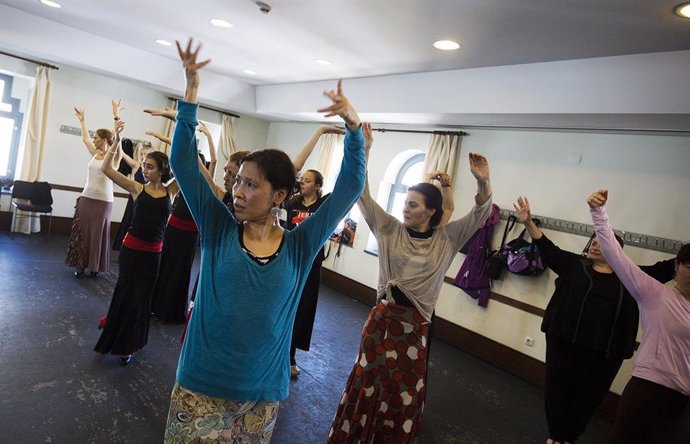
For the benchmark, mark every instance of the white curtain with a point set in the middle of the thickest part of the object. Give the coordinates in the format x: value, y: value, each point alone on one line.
x: 32, y: 161
x: 227, y: 136
x: 168, y: 131
x: 442, y: 153
x: 327, y: 144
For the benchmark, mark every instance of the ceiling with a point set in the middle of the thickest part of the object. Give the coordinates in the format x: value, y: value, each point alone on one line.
x: 363, y: 38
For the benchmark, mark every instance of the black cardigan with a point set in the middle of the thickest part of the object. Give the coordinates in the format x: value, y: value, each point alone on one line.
x: 573, y: 286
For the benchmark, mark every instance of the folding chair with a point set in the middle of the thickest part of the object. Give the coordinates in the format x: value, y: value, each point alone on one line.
x: 34, y: 198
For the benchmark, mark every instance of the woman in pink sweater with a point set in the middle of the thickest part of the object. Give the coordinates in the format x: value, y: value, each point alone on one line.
x: 655, y: 405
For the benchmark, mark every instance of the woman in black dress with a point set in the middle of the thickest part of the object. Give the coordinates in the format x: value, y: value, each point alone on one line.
x: 298, y: 209
x: 171, y: 293
x: 127, y: 322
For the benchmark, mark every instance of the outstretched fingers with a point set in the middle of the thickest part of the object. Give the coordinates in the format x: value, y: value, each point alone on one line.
x: 189, y: 55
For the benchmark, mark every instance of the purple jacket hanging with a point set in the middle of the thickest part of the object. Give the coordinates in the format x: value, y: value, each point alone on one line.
x: 473, y: 277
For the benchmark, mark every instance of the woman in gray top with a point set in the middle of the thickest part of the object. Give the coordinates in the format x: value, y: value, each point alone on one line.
x: 384, y: 395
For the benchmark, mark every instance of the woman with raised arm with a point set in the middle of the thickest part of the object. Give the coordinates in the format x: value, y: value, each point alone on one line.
x: 171, y: 295
x: 88, y: 245
x: 234, y: 366
x: 298, y: 209
x: 142, y: 150
x: 655, y: 405
x: 126, y: 326
x: 590, y: 324
x: 384, y: 396
x: 232, y: 166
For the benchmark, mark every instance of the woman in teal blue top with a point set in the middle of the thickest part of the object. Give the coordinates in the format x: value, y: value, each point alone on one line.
x: 234, y: 366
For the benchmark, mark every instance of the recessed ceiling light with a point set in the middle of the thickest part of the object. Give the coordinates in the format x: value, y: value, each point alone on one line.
x: 249, y: 71
x: 323, y: 62
x: 164, y: 42
x: 446, y: 45
x: 52, y: 4
x: 221, y: 23
x: 683, y: 10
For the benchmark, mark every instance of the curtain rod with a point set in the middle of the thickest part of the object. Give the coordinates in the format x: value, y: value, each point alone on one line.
x: 47, y: 65
x: 211, y: 108
x: 445, y: 133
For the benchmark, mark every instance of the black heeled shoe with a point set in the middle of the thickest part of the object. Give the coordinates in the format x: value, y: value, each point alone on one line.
x: 93, y: 274
x: 79, y: 274
x: 124, y: 360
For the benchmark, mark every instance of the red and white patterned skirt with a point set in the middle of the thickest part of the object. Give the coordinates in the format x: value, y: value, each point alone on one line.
x: 384, y: 396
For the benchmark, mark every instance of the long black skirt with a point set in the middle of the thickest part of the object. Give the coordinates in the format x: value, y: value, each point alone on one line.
x: 171, y: 293
x: 306, y: 310
x: 126, y: 327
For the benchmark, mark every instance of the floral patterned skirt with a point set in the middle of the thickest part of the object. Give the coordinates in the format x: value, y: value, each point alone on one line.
x: 384, y: 396
x: 198, y: 418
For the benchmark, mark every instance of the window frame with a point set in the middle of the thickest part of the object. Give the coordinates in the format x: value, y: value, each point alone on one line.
x: 398, y: 186
x: 18, y: 117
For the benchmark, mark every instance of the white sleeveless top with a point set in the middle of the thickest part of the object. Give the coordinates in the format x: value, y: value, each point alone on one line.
x: 98, y: 186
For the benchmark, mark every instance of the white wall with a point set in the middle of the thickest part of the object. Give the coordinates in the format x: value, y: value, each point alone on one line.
x: 648, y: 181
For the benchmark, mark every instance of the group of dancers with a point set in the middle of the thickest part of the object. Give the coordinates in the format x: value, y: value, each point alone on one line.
x: 255, y: 298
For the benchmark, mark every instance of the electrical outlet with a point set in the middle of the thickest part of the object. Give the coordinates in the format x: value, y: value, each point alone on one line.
x: 529, y: 341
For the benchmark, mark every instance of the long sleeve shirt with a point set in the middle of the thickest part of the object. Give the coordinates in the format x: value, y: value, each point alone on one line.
x: 664, y: 353
x: 238, y: 339
x: 417, y: 266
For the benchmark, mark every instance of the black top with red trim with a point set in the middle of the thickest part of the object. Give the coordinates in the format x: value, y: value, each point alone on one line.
x: 297, y: 212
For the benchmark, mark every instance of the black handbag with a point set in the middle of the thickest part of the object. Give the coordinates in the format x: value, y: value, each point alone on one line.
x: 496, y: 260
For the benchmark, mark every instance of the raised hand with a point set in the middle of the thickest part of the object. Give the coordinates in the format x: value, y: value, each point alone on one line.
x: 368, y: 136
x: 117, y: 108
x: 523, y: 212
x: 329, y: 129
x: 445, y: 180
x: 442, y: 177
x: 598, y: 198
x: 79, y: 112
x: 203, y: 129
x: 341, y: 107
x: 479, y: 166
x: 188, y: 56
x: 167, y: 112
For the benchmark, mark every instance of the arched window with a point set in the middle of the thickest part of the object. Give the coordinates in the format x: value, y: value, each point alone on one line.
x: 410, y: 173
x: 405, y: 170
